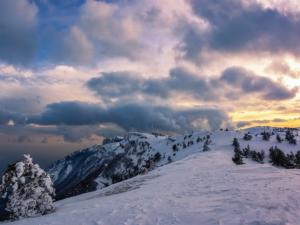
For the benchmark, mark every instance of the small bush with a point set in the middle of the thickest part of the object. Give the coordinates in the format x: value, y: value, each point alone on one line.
x: 247, y: 137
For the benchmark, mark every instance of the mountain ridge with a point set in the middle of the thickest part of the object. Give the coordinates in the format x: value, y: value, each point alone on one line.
x: 136, y: 153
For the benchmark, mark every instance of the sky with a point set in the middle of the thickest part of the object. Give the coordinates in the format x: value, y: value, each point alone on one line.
x: 75, y: 71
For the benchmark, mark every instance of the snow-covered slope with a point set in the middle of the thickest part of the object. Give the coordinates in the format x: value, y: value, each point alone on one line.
x: 102, y: 165
x: 196, y: 188
x: 204, y: 188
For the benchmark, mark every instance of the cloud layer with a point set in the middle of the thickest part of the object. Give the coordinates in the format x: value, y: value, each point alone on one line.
x: 236, y: 26
x: 128, y: 117
x: 74, y: 71
x: 18, y: 21
x: 233, y: 83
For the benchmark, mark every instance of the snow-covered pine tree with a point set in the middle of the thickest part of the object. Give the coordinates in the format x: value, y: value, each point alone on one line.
x: 205, y: 146
x: 237, y: 158
x: 290, y: 137
x: 27, y: 189
x: 266, y: 136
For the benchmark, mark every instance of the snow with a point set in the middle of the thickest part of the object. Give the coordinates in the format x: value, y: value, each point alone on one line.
x: 203, y: 188
x: 28, y: 190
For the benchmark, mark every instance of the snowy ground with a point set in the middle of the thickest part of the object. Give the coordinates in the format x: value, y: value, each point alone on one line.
x: 202, y: 189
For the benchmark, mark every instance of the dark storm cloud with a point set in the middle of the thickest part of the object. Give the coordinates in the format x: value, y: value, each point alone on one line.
x: 17, y: 31
x: 236, y: 27
x: 131, y: 116
x: 20, y: 104
x: 233, y: 83
x: 115, y: 84
x: 7, y: 116
x: 118, y: 84
x: 68, y: 113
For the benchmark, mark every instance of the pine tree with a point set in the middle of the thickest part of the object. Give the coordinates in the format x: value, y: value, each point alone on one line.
x: 175, y: 148
x: 27, y: 189
x: 262, y: 156
x: 205, y: 146
x: 277, y: 157
x: 258, y: 156
x: 266, y: 136
x: 157, y: 157
x: 237, y: 158
x: 289, y: 136
x: 246, y: 151
x: 297, y: 159
x: 278, y: 138
x: 235, y: 143
x: 290, y: 158
x: 247, y: 137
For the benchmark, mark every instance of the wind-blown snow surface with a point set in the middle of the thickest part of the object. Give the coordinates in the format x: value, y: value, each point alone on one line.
x: 202, y: 189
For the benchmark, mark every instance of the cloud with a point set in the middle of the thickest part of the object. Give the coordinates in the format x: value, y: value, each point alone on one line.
x: 233, y: 83
x: 102, y: 30
x: 26, y: 104
x: 131, y: 116
x: 17, y: 31
x: 75, y: 47
x: 281, y: 67
x: 240, y: 124
x: 236, y: 26
x: 63, y: 114
x: 23, y: 138
x: 118, y: 84
x: 248, y: 82
x: 10, y: 118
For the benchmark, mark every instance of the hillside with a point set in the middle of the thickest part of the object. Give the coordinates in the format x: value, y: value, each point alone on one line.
x: 136, y: 153
x: 196, y: 188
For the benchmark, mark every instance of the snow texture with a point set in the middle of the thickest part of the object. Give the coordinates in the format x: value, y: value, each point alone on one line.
x: 28, y: 190
x: 199, y: 187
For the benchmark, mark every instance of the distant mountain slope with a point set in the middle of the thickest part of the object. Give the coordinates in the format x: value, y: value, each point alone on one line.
x: 122, y: 158
x: 103, y: 165
x: 203, y: 188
